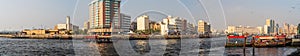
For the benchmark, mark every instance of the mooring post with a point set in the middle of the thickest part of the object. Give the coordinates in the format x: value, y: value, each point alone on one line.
x: 244, y: 47
x: 253, y: 47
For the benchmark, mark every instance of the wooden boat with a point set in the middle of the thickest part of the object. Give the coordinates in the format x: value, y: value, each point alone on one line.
x: 269, y: 41
x: 235, y: 41
x: 296, y: 40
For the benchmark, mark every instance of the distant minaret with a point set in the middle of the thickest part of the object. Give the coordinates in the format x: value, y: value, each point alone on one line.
x: 68, y: 22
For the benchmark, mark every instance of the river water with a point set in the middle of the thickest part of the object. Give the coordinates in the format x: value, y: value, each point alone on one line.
x: 152, y: 47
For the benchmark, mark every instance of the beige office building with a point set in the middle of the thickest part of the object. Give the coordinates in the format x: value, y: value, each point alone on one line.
x: 143, y: 22
x: 203, y: 27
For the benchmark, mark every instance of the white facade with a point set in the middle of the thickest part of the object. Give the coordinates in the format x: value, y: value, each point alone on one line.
x: 266, y: 29
x: 172, y: 24
x: 164, y: 28
x: 242, y: 29
x: 143, y: 22
x: 68, y: 23
x: 61, y: 26
x: 64, y: 26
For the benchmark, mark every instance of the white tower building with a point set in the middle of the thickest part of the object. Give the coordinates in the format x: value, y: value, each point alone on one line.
x: 68, y: 23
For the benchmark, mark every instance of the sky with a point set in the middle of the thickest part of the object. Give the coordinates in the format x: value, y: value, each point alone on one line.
x: 28, y: 14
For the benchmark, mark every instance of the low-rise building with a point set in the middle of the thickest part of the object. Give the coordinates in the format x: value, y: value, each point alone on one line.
x: 45, y: 32
x: 243, y: 29
x: 86, y: 25
x: 172, y: 25
x: 154, y: 26
x: 293, y: 30
x: 191, y: 29
x: 73, y: 28
x: 35, y: 32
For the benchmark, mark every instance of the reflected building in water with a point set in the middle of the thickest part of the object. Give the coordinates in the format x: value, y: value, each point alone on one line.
x: 107, y: 49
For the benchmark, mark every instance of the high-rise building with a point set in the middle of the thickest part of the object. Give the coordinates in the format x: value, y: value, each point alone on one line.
x: 124, y: 22
x: 103, y: 12
x: 203, y: 27
x: 68, y: 23
x: 143, y: 22
x: 298, y: 28
x: 103, y: 15
x: 271, y: 26
x: 286, y: 28
x: 266, y: 29
x: 276, y: 30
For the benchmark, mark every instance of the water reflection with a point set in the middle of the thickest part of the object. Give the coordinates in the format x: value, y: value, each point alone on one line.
x: 270, y: 51
x: 173, y: 47
x: 33, y: 47
x: 141, y: 46
x: 276, y: 51
x: 107, y: 49
x: 170, y: 47
x: 196, y: 47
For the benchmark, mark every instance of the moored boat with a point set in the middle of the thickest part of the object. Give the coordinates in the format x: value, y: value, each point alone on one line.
x: 269, y: 41
x: 235, y: 40
x: 296, y: 40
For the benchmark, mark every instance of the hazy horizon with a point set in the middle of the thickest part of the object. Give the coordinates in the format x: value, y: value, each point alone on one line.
x: 20, y: 14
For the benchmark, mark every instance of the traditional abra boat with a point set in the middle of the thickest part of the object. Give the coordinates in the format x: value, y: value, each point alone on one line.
x: 235, y: 40
x: 296, y: 40
x: 267, y: 41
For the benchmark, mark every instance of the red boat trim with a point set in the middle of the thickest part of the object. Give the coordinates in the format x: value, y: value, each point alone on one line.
x: 235, y: 36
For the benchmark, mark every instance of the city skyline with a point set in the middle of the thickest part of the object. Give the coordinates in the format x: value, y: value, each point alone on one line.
x: 45, y: 14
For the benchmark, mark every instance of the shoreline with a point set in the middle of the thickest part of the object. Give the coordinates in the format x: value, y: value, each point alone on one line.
x: 103, y: 37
